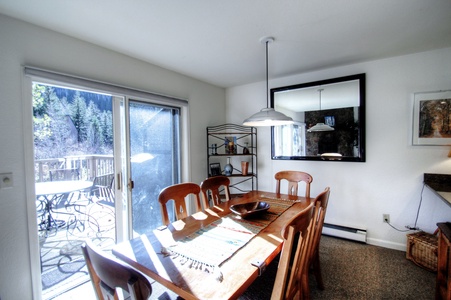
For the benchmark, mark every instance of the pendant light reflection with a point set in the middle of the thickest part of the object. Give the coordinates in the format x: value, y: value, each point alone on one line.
x: 267, y: 116
x: 320, y: 126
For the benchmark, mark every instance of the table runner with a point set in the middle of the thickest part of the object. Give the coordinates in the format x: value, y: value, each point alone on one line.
x: 211, y: 246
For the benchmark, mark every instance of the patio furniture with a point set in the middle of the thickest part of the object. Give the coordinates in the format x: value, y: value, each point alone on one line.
x: 64, y: 174
x: 102, y: 188
x: 49, y: 194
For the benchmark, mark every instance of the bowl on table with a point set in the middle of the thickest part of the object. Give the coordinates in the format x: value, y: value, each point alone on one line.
x: 249, y: 209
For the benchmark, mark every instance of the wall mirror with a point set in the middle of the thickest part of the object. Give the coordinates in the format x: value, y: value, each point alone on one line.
x: 329, y: 120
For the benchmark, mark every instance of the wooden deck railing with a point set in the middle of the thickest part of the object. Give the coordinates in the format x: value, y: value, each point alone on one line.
x: 82, y: 167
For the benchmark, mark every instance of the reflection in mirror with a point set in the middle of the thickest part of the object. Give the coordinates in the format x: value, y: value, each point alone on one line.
x: 329, y: 120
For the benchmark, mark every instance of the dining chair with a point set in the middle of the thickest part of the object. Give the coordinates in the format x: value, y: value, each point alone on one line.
x: 320, y: 204
x: 211, y: 186
x: 107, y: 274
x: 293, y: 263
x: 293, y: 178
x: 178, y: 193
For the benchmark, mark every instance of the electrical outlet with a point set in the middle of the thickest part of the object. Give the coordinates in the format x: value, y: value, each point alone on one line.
x: 386, y: 218
x: 6, y: 180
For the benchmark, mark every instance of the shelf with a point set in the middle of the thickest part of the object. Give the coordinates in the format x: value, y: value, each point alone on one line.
x: 233, y: 138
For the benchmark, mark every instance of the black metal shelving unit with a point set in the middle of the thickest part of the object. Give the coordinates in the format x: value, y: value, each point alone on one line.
x: 240, y: 135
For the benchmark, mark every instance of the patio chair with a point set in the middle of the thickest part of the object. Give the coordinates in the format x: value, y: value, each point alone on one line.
x: 64, y: 174
x: 93, y: 211
x: 93, y: 214
x: 107, y: 275
x: 103, y: 188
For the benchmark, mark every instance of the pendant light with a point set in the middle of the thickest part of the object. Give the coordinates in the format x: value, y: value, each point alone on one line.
x: 320, y: 126
x: 267, y: 116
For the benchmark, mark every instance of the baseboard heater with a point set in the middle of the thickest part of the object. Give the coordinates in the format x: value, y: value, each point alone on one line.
x: 344, y: 232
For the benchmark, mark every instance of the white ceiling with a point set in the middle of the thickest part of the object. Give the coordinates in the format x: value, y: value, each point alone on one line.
x: 217, y: 41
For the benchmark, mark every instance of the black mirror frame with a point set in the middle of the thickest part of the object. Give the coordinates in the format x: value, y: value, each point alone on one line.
x: 361, y: 124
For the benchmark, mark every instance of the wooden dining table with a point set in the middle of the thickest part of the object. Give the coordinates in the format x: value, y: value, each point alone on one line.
x: 145, y: 252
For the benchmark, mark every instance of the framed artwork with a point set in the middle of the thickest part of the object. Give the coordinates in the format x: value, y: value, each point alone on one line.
x: 432, y: 118
x: 329, y: 120
x: 230, y: 144
x: 215, y: 169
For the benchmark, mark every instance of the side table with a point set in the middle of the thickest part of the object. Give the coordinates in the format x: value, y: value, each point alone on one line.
x: 443, y: 281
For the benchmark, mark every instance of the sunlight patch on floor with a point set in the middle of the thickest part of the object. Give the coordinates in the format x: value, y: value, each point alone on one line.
x: 84, y: 291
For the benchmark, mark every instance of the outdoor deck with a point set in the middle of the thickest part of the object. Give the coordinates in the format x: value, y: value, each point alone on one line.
x: 62, y: 263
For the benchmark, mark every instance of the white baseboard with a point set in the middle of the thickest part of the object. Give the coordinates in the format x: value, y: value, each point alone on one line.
x: 344, y: 232
x: 386, y: 244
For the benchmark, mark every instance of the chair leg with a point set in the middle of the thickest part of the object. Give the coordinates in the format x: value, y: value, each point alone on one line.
x: 317, y: 271
x: 305, y: 289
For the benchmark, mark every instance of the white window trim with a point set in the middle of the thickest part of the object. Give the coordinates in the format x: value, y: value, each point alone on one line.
x: 32, y: 74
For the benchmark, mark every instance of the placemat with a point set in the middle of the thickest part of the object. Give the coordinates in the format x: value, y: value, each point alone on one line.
x: 211, y: 246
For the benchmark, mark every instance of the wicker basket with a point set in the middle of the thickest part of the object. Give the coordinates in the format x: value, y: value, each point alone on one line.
x: 422, y: 249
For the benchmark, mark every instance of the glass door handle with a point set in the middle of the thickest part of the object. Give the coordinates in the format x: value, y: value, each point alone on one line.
x: 131, y: 184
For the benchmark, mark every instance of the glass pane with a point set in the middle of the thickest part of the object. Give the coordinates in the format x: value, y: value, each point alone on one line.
x: 154, y: 144
x: 74, y: 167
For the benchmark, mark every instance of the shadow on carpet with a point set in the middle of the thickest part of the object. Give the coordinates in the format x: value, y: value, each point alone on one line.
x: 354, y: 270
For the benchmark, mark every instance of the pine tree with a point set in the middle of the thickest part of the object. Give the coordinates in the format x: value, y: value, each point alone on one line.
x: 79, y: 118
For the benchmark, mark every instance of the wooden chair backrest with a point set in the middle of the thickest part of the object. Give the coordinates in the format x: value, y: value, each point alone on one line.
x: 178, y: 193
x: 293, y: 178
x: 293, y: 261
x: 213, y: 185
x: 107, y: 274
x: 319, y: 214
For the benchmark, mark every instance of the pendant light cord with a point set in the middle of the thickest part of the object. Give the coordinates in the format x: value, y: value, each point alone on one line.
x: 320, y: 90
x: 267, y: 78
x: 267, y: 116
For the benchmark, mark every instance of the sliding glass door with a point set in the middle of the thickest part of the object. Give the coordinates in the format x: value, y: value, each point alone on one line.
x: 155, y: 160
x: 101, y: 159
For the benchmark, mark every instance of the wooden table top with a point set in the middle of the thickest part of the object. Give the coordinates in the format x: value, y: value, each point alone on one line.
x: 144, y: 252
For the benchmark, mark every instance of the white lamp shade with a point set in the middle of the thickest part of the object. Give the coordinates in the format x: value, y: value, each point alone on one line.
x: 331, y: 156
x: 320, y: 127
x: 268, y: 117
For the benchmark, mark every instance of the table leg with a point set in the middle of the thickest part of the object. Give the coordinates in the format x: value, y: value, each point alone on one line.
x: 48, y: 223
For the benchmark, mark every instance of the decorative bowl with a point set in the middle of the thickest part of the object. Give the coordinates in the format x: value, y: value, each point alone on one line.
x: 249, y: 209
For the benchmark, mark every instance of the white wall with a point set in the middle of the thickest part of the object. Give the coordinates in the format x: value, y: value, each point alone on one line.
x: 23, y: 44
x: 390, y: 181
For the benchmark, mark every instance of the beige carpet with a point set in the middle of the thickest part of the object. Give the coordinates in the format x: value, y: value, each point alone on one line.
x: 353, y: 270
